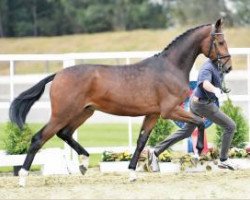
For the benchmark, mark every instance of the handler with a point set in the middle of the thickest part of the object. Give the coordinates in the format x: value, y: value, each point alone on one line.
x: 204, y: 103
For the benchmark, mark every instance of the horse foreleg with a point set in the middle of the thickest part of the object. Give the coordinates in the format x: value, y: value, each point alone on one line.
x: 180, y: 114
x: 36, y: 144
x: 148, y: 124
x: 66, y: 135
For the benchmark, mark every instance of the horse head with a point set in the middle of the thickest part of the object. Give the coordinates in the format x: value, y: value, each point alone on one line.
x: 215, y: 48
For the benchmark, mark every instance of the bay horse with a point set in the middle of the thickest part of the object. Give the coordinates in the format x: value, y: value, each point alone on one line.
x: 152, y: 87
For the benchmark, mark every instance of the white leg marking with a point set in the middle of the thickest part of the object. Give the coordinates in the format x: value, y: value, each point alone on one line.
x: 22, y: 177
x: 84, y: 160
x: 132, y: 175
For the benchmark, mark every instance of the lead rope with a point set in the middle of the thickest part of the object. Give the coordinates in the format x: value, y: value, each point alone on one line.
x: 223, y: 86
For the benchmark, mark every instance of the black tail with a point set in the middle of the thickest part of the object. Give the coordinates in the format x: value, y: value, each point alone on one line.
x: 21, y: 105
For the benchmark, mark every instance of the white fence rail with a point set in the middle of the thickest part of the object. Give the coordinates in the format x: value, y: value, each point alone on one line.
x: 52, y: 160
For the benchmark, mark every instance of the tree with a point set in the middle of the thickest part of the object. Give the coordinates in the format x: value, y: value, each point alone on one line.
x: 195, y: 11
x: 3, y: 18
x: 59, y: 17
x: 241, y: 12
x: 144, y: 14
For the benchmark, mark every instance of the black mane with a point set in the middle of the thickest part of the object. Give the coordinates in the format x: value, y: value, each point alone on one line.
x: 179, y: 39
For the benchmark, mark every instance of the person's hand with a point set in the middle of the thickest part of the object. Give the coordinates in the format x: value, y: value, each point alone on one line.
x: 217, y: 92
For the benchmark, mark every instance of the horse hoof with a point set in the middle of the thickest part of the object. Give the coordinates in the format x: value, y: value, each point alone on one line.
x: 22, y: 181
x: 131, y: 180
x: 132, y: 176
x: 83, y: 169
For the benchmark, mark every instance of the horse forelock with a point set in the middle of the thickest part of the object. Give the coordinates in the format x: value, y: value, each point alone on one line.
x: 180, y: 38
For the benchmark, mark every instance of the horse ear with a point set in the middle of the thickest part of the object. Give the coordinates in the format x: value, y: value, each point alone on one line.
x: 219, y: 23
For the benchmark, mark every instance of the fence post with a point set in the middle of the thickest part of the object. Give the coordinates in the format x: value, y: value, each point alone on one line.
x: 248, y: 92
x: 130, y: 133
x: 12, y: 73
x: 71, y: 155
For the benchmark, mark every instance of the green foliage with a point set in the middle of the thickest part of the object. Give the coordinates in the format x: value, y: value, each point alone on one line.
x: 144, y: 15
x: 97, y: 19
x: 242, y: 15
x: 17, y: 141
x: 237, y: 153
x: 212, y: 154
x: 59, y: 17
x: 187, y: 14
x: 109, y: 156
x: 162, y: 129
x: 165, y: 156
x: 234, y: 112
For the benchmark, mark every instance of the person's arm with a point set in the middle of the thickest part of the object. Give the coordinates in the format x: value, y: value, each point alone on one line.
x: 211, y: 88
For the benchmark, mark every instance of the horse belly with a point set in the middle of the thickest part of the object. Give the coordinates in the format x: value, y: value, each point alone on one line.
x: 126, y: 107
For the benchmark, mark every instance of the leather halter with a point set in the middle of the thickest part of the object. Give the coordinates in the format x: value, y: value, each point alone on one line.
x: 218, y: 58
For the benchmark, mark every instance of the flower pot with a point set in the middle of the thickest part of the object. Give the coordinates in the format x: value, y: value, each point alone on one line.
x: 169, y: 167
x: 198, y: 168
x: 243, y: 163
x: 16, y: 169
x: 116, y: 166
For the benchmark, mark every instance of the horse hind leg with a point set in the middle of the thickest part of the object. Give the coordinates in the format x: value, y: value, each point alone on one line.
x: 37, y: 141
x: 66, y: 135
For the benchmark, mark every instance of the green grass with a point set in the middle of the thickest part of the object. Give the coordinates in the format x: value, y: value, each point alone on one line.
x: 94, y: 135
x: 90, y: 135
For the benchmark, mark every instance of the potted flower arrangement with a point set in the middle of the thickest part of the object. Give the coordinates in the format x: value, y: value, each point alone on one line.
x: 240, y: 157
x: 17, y: 141
x: 115, y: 162
x: 167, y: 162
x: 176, y: 161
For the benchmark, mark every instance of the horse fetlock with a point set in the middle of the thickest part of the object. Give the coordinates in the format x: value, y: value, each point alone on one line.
x: 23, y: 172
x: 22, y: 177
x: 132, y: 175
x: 84, y: 160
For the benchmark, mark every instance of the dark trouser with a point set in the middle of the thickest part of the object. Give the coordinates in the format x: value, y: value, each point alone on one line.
x: 211, y: 112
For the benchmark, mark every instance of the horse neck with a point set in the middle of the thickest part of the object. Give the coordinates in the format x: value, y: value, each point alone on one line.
x: 184, y: 54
